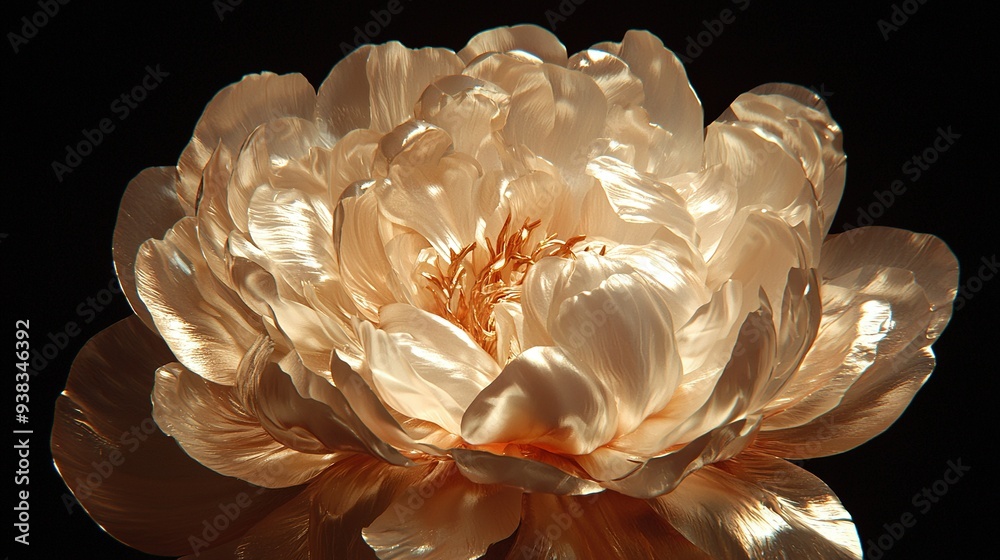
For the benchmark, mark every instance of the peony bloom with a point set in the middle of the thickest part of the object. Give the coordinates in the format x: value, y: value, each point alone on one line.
x: 498, y: 303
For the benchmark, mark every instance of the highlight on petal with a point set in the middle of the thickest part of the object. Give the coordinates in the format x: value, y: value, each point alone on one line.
x: 148, y: 210
x: 206, y: 325
x: 233, y: 114
x: 758, y: 506
x: 531, y: 39
x: 543, y: 398
x: 445, y: 517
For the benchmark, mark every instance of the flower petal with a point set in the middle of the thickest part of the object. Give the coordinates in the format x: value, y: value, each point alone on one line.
x: 621, y: 334
x: 206, y: 325
x: 233, y: 114
x: 801, y: 119
x: 293, y: 229
x: 669, y: 98
x: 606, y: 526
x: 445, y: 517
x: 483, y: 467
x: 398, y: 75
x: 527, y: 38
x: 212, y: 425
x: 127, y: 474
x: 544, y: 399
x: 757, y: 506
x: 148, y: 210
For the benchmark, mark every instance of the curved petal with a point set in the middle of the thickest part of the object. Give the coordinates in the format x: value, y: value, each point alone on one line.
x: 621, y: 334
x: 757, y: 506
x: 933, y: 265
x: 212, y: 425
x: 148, y: 210
x: 641, y: 199
x: 605, y: 525
x: 445, y: 517
x: 206, y: 325
x: 544, y: 399
x: 233, y: 114
x: 527, y: 38
x: 867, y: 409
x: 293, y: 229
x: 342, y: 101
x: 483, y: 467
x: 669, y: 98
x: 398, y: 75
x: 130, y: 477
x: 801, y: 119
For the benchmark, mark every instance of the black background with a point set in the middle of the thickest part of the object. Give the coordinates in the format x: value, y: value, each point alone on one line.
x: 889, y: 96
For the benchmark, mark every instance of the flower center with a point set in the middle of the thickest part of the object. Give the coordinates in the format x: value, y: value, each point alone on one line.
x: 467, y: 296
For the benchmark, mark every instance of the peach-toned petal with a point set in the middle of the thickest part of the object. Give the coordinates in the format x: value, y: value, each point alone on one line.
x: 757, y: 506
x: 342, y: 101
x: 233, y: 114
x: 127, y: 474
x: 212, y: 425
x: 445, y: 517
x: 621, y: 334
x: 669, y: 99
x: 606, y: 526
x: 801, y: 119
x: 544, y: 399
x: 641, y: 199
x: 483, y: 467
x: 148, y: 209
x: 934, y: 266
x: 867, y: 409
x: 527, y: 38
x: 206, y: 325
x: 397, y: 76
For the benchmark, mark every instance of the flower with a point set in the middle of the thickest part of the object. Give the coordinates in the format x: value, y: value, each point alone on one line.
x: 498, y: 303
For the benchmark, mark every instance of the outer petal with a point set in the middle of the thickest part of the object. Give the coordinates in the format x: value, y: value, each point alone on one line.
x: 884, y: 304
x: 214, y: 427
x: 527, y: 38
x: 148, y: 210
x: 757, y: 506
x: 804, y: 124
x: 398, y: 75
x: 606, y: 526
x: 445, y: 517
x: 206, y: 325
x: 669, y: 98
x: 233, y: 114
x: 127, y: 474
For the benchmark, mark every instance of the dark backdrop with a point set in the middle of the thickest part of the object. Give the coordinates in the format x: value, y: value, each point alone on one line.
x: 892, y: 86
